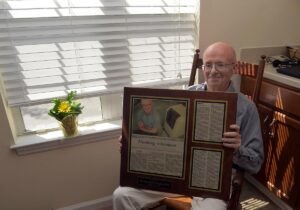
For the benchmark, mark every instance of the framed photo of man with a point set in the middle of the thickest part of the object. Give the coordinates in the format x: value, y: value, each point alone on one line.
x: 171, y: 141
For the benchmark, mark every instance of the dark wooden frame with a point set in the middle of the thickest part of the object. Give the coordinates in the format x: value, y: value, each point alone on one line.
x: 179, y: 185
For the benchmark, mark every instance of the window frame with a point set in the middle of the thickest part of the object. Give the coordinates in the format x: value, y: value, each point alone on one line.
x: 31, y: 142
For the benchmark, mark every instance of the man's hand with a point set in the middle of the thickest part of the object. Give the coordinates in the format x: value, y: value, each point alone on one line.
x: 232, y: 139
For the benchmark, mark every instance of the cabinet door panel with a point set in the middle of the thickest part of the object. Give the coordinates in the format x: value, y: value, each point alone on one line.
x: 280, y: 170
x: 284, y: 99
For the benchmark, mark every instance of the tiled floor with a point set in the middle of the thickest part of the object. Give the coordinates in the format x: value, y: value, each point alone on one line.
x: 251, y: 199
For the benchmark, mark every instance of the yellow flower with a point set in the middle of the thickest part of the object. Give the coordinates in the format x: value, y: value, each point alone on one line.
x: 64, y: 107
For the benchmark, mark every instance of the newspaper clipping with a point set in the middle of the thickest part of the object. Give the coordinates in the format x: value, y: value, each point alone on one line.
x: 158, y: 133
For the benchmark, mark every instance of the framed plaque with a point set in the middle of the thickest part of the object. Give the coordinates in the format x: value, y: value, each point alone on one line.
x: 171, y: 141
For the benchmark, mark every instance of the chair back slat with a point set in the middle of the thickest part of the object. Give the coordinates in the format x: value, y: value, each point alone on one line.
x: 259, y: 77
x: 197, y: 63
x: 247, y: 69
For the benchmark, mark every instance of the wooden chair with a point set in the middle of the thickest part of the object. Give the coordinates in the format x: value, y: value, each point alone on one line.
x: 196, y: 66
x: 250, y: 73
x: 251, y: 78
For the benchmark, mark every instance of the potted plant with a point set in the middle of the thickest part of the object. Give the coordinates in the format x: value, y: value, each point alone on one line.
x: 66, y: 112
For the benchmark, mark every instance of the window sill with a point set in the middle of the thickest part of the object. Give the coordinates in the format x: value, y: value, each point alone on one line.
x: 54, y: 140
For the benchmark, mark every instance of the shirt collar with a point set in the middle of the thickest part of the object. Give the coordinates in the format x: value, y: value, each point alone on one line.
x: 231, y: 88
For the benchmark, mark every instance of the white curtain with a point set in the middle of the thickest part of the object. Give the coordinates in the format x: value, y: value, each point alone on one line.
x: 48, y: 47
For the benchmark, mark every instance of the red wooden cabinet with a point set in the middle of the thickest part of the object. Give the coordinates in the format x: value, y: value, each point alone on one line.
x: 279, y: 172
x: 279, y: 111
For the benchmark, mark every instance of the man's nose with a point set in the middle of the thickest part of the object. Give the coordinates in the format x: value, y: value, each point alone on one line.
x: 213, y: 68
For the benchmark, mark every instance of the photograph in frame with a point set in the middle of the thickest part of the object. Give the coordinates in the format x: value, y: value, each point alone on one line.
x: 177, y: 148
x: 157, y: 131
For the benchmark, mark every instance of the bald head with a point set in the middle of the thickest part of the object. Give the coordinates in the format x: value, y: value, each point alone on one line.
x: 223, y: 49
x: 216, y: 55
x: 147, y: 105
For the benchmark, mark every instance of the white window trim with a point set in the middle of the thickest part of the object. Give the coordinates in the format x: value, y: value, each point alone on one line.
x: 35, y: 143
x: 102, y: 131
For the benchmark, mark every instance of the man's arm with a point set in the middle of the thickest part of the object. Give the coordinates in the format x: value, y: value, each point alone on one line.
x: 250, y: 154
x: 142, y: 127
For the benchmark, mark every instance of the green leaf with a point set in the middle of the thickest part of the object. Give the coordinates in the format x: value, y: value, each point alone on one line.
x: 76, y: 107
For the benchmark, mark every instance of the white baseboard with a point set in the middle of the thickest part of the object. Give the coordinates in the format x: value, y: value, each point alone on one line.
x: 90, y: 205
x: 282, y: 205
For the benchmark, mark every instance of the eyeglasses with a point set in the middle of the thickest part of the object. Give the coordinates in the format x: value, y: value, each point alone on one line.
x: 218, y: 66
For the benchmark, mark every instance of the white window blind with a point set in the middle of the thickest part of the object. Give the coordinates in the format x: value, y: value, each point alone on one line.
x: 95, y: 47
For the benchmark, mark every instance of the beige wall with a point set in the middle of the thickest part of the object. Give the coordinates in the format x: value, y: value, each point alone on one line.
x: 71, y: 175
x: 58, y: 178
x: 252, y: 23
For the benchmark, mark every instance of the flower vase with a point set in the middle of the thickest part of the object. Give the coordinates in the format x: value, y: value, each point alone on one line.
x: 69, y: 125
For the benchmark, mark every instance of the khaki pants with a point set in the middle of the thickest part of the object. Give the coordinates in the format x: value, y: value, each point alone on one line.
x: 128, y: 198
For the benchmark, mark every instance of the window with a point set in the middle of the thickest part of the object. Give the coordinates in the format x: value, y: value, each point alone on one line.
x: 95, y: 47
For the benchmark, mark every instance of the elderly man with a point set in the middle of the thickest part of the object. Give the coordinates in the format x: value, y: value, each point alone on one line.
x: 148, y: 119
x: 245, y: 136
